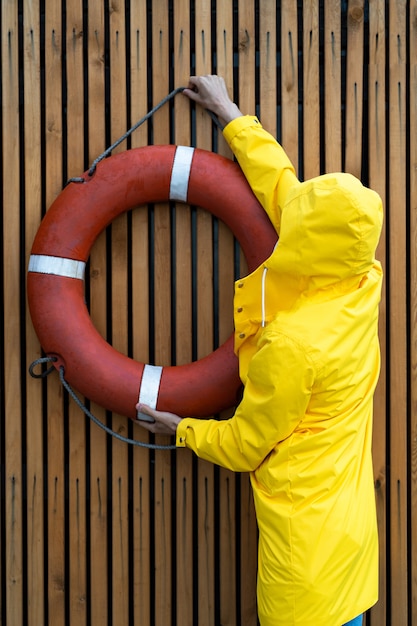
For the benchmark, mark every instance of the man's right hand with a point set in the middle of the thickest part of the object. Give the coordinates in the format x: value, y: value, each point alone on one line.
x: 211, y: 93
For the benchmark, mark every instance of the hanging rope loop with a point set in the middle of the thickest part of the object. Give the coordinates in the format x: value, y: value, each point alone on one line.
x: 41, y: 361
x: 134, y: 442
x: 127, y: 134
x: 93, y: 418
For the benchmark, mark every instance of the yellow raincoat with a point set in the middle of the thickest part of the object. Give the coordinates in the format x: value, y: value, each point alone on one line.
x: 306, y: 337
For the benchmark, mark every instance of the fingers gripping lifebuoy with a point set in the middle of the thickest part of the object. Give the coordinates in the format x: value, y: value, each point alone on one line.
x: 55, y: 282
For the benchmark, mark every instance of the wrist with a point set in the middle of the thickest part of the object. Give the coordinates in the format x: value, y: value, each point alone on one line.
x: 227, y: 113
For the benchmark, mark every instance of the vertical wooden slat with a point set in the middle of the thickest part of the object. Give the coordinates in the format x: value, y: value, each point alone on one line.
x: 332, y: 87
x: 268, y: 66
x: 140, y: 313
x: 397, y: 311
x: 376, y: 121
x: 354, y: 87
x: 227, y: 549
x: 246, y: 43
x: 311, y: 91
x: 13, y: 549
x: 204, y: 306
x: 119, y: 319
x: 412, y: 506
x: 76, y: 426
x: 229, y: 559
x: 183, y: 307
x: 289, y: 80
x: 224, y: 58
x: 55, y: 430
x: 34, y: 425
x: 232, y: 554
x: 98, y: 519
x: 162, y: 310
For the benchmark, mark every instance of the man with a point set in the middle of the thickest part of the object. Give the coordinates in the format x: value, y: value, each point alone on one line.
x: 307, y: 340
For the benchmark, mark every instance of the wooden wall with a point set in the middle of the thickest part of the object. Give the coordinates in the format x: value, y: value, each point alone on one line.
x: 93, y: 531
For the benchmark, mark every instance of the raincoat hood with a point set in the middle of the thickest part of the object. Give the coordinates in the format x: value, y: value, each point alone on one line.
x: 329, y: 230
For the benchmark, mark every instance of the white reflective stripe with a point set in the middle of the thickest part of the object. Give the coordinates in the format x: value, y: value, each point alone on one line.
x: 57, y: 266
x: 181, y: 173
x: 149, y: 389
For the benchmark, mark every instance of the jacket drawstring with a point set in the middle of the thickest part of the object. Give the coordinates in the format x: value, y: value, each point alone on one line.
x: 263, y: 296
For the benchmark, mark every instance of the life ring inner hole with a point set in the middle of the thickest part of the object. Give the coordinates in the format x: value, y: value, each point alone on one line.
x: 155, y: 268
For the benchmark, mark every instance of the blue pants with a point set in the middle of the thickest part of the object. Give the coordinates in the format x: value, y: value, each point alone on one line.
x: 355, y: 622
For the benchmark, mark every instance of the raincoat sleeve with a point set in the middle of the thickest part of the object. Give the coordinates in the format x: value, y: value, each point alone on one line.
x: 276, y: 395
x: 266, y: 166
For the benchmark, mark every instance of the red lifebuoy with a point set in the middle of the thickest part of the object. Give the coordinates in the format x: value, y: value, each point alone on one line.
x: 62, y: 245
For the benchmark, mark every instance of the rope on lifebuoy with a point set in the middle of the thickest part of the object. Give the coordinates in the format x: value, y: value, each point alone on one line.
x: 41, y: 361
x: 127, y: 134
x: 109, y: 431
x: 86, y: 411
